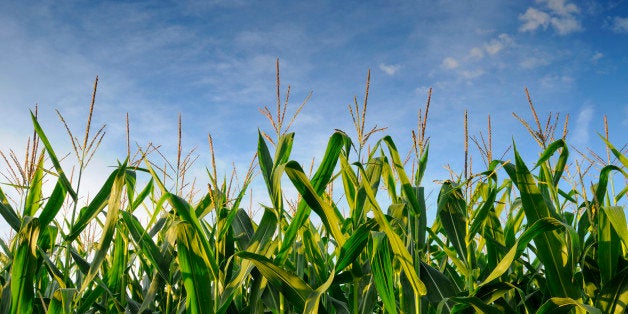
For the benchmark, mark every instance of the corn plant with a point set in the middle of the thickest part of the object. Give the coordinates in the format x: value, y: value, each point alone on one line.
x: 511, y: 238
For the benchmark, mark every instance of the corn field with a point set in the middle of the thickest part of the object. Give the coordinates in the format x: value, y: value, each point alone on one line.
x: 511, y: 238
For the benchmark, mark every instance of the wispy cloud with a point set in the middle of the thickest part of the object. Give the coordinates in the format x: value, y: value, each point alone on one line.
x: 597, y: 56
x: 476, y: 53
x: 582, y: 127
x: 450, y: 63
x: 561, y: 15
x: 618, y: 24
x: 471, y: 74
x: 498, y: 44
x: 534, y: 62
x: 533, y: 19
x: 389, y: 69
x: 552, y: 81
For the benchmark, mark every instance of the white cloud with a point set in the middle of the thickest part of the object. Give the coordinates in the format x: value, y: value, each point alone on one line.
x: 581, y: 130
x: 496, y: 45
x: 559, y: 14
x: 471, y: 74
x: 619, y: 24
x: 389, y: 69
x: 566, y: 25
x: 533, y: 62
x: 561, y: 7
x: 533, y: 19
x: 476, y: 53
x: 552, y: 81
x: 597, y: 56
x: 450, y: 63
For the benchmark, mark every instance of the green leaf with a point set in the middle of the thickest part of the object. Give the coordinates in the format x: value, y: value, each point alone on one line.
x: 53, y: 158
x: 381, y: 266
x: 194, y: 266
x: 33, y: 196
x: 602, y: 185
x: 242, y: 229
x: 541, y: 226
x: 146, y: 244
x: 95, y: 206
x: 482, y: 213
x: 23, y: 268
x: 139, y: 199
x: 397, y: 245
x: 53, y: 205
x: 452, y: 213
x: 355, y: 245
x: 551, y: 249
x: 617, y: 218
x: 478, y: 305
x: 313, y: 300
x: 614, y: 295
x: 115, y: 275
x: 406, y: 185
x: 609, y: 247
x: 8, y: 213
x: 562, y: 159
x: 326, y: 213
x: 319, y: 182
x: 622, y: 158
x: 292, y: 287
x: 439, y: 287
x: 187, y: 214
x: 259, y: 243
x: 565, y: 305
x: 109, y: 229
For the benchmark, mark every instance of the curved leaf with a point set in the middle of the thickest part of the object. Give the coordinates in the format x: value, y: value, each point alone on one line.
x: 292, y: 287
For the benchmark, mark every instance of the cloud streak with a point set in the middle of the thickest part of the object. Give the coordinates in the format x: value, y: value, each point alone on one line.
x: 560, y: 15
x: 389, y: 69
x: 619, y: 24
x: 583, y: 126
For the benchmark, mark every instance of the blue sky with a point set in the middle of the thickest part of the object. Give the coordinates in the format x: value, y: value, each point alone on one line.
x: 214, y: 62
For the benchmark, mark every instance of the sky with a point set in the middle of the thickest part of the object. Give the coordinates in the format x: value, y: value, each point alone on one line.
x: 213, y: 62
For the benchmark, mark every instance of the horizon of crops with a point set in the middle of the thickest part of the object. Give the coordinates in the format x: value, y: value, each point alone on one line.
x: 512, y: 237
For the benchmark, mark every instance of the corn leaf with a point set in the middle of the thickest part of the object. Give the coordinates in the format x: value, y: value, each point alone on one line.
x: 8, y: 213
x: 355, y: 245
x: 109, y: 229
x: 313, y: 300
x: 541, y: 226
x: 406, y: 185
x: 187, y: 214
x: 565, y: 305
x: 614, y: 295
x: 381, y: 265
x: 33, y: 196
x: 452, y: 213
x: 617, y: 217
x: 478, y: 305
x: 195, y: 268
x: 319, y: 181
x: 53, y: 158
x: 23, y: 269
x: 397, y: 246
x: 551, y: 250
x: 622, y: 158
x: 326, y: 213
x: 53, y: 205
x: 92, y: 210
x: 291, y: 286
x: 439, y: 287
x: 146, y: 245
x: 562, y: 159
